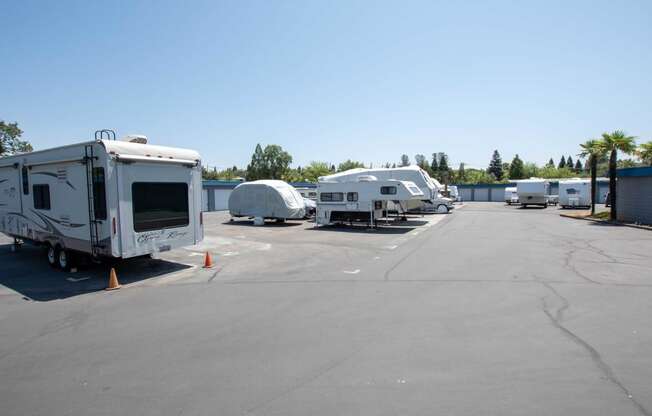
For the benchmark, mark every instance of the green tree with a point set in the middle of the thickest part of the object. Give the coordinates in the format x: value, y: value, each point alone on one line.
x: 562, y: 163
x: 496, y: 166
x: 569, y: 163
x: 593, y: 151
x: 10, y: 142
x: 461, y: 173
x: 578, y: 166
x: 405, y: 160
x: 434, y: 166
x: 421, y: 162
x: 314, y: 170
x: 270, y: 163
x: 276, y: 160
x: 256, y: 168
x: 349, y: 164
x: 516, y: 168
x: 444, y: 170
x: 645, y: 152
x: 614, y: 142
x: 551, y: 163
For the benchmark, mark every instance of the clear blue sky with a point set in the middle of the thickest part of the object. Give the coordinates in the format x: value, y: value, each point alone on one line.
x: 331, y: 80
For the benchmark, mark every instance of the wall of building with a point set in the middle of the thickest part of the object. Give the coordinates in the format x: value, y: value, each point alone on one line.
x: 634, y: 195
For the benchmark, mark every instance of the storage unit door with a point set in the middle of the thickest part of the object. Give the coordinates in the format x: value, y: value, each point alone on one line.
x: 222, y: 199
x: 482, y: 194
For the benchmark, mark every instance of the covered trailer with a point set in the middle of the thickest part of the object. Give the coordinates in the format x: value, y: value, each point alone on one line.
x: 533, y: 191
x: 575, y: 193
x: 267, y: 199
x: 105, y: 198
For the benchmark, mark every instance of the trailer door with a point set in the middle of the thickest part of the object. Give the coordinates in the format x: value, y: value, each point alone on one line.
x: 10, y: 199
x: 159, y: 207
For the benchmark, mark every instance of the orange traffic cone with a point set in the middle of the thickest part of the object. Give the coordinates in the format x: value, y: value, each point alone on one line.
x: 208, y: 261
x: 113, y: 281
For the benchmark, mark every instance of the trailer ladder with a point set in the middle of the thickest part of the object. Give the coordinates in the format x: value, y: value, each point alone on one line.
x: 89, y: 158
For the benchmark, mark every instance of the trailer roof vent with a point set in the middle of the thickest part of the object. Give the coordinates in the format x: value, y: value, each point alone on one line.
x: 135, y: 138
x: 367, y: 178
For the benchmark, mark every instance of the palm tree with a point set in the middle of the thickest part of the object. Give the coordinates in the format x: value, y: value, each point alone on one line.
x: 594, y: 151
x: 645, y: 152
x: 613, y: 142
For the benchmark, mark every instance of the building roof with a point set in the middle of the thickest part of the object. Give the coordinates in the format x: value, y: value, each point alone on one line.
x: 634, y: 172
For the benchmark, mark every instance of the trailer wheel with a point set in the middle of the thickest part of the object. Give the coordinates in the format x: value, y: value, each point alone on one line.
x: 53, y: 255
x: 64, y: 260
x: 442, y: 209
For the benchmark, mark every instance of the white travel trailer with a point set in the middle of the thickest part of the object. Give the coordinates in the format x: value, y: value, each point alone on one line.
x: 431, y: 200
x: 511, y: 195
x: 533, y: 191
x: 575, y: 193
x: 106, y: 198
x: 453, y: 193
x: 267, y: 199
x: 363, y: 200
x: 310, y: 193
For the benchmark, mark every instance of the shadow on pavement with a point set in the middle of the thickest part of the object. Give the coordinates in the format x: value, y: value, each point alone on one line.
x: 268, y: 223
x: 28, y: 273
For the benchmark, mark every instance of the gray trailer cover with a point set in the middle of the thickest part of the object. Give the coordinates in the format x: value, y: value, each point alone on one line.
x: 267, y: 199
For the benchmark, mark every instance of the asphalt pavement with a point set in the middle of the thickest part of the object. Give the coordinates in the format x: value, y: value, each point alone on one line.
x: 492, y: 310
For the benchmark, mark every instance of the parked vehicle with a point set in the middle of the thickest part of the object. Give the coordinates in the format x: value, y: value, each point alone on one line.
x: 310, y: 193
x: 105, y: 198
x: 363, y: 200
x: 575, y: 193
x: 432, y: 199
x: 533, y: 191
x: 511, y: 195
x: 267, y: 199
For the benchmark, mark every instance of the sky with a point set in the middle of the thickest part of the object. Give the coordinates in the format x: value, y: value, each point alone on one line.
x: 330, y: 80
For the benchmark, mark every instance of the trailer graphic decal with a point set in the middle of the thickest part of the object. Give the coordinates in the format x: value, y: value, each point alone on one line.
x: 54, y: 175
x: 63, y: 223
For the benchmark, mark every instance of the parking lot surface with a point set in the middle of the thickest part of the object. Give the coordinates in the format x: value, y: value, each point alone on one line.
x: 491, y: 310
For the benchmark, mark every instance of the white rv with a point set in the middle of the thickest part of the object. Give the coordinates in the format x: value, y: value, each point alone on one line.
x: 575, y: 193
x: 310, y: 193
x: 432, y: 200
x: 533, y: 191
x: 511, y: 195
x: 106, y: 198
x: 363, y: 200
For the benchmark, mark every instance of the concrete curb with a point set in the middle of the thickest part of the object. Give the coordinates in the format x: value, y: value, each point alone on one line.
x: 624, y: 224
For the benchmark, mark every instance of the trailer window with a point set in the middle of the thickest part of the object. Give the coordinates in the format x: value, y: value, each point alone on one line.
x: 331, y: 196
x: 99, y: 194
x: 388, y: 190
x: 158, y: 205
x: 25, y: 180
x: 352, y: 196
x: 41, y: 196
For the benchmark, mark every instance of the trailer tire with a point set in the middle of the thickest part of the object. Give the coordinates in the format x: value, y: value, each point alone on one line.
x: 64, y: 260
x: 53, y: 255
x: 442, y: 209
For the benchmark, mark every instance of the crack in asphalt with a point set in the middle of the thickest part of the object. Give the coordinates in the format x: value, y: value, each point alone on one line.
x: 556, y: 318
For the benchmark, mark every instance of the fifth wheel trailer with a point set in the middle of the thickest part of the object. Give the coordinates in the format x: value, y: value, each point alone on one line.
x: 106, y: 198
x: 432, y: 199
